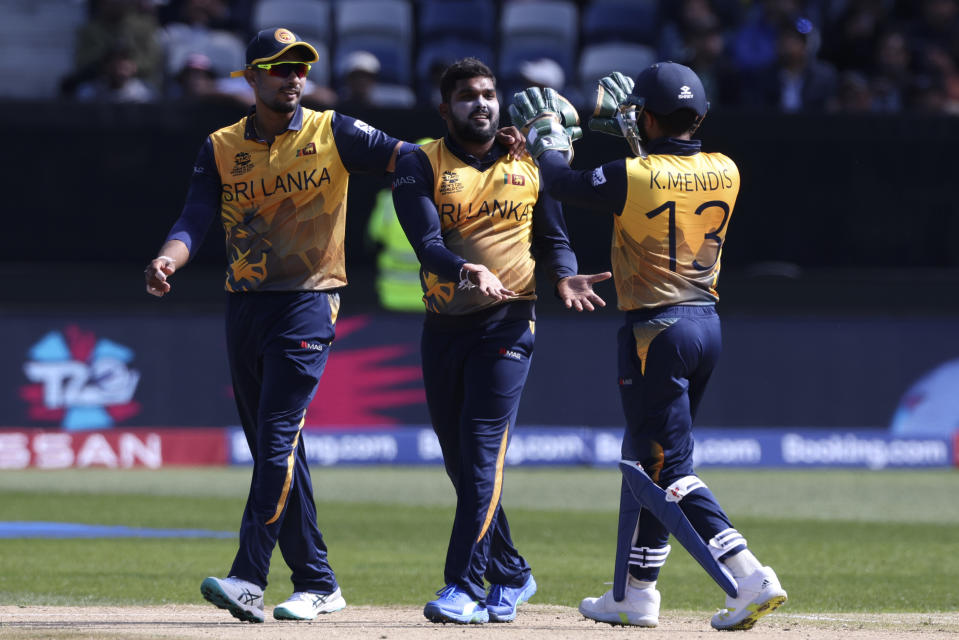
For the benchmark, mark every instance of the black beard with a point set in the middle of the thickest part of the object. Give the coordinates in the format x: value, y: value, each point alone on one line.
x: 643, y: 135
x: 284, y: 107
x: 470, y: 132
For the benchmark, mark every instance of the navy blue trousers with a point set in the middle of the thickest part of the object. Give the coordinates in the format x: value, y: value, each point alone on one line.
x: 278, y: 344
x: 474, y: 379
x: 666, y: 357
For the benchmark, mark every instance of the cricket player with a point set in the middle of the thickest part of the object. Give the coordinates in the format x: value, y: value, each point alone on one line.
x: 479, y: 222
x: 671, y: 204
x: 278, y: 180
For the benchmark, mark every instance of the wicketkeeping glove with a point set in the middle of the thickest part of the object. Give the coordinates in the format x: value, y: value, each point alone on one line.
x: 547, y: 119
x: 610, y: 94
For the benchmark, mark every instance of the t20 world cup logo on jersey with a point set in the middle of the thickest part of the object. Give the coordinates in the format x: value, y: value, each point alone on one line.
x: 79, y: 381
x: 450, y: 183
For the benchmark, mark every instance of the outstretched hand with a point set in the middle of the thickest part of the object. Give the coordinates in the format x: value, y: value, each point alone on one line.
x: 576, y: 292
x: 480, y: 277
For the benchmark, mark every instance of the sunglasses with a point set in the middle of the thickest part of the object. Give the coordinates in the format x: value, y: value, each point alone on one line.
x: 284, y: 69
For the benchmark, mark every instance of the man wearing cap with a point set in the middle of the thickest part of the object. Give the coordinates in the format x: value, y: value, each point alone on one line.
x: 671, y: 204
x: 278, y: 178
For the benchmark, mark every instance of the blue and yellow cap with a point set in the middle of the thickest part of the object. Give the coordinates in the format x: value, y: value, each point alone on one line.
x: 270, y: 44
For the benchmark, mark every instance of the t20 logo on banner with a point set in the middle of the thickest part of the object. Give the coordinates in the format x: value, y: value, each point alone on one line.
x: 80, y: 381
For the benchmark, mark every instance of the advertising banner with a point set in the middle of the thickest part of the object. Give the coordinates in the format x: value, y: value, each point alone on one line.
x: 533, y: 446
x: 89, y: 372
x: 113, y: 449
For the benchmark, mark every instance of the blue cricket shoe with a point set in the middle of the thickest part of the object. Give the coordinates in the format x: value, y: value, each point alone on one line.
x: 501, y: 602
x: 455, y: 605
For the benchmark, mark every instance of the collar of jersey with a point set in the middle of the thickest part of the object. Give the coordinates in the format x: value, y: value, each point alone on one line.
x: 296, y: 123
x: 480, y: 164
x: 674, y: 147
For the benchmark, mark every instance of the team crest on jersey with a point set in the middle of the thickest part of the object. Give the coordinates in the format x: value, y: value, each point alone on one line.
x: 308, y: 150
x: 450, y: 183
x: 515, y: 179
x: 242, y: 163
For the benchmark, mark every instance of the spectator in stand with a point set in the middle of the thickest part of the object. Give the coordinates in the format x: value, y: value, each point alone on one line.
x: 116, y: 80
x: 799, y: 81
x: 937, y: 27
x: 755, y: 44
x: 680, y: 21
x: 228, y: 15
x: 196, y: 29
x: 197, y: 81
x: 543, y: 73
x: 706, y: 55
x: 935, y: 39
x: 361, y: 85
x: 891, y: 72
x: 127, y: 23
x: 854, y: 94
x: 850, y: 41
x: 927, y: 95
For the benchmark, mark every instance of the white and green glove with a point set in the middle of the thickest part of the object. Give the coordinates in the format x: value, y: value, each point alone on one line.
x: 611, y: 94
x: 547, y: 119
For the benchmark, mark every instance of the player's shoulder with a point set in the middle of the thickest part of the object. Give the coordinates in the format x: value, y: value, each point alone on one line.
x: 411, y: 163
x: 231, y: 132
x: 720, y: 162
x: 312, y: 117
x: 718, y: 156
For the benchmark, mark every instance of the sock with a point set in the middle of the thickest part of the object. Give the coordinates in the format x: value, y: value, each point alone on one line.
x: 636, y: 583
x: 742, y: 564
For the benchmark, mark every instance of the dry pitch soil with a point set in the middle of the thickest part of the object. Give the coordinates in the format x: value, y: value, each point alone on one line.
x: 407, y: 623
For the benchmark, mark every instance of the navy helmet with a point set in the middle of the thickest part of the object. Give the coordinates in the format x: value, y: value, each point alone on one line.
x: 666, y: 87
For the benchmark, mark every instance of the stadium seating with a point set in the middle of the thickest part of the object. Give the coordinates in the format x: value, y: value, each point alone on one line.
x: 394, y: 57
x: 309, y: 19
x: 606, y: 21
x: 442, y: 53
x: 26, y: 24
x: 382, y: 27
x: 553, y: 19
x: 375, y: 18
x: 473, y: 20
x: 226, y: 51
x: 599, y: 60
x: 514, y: 53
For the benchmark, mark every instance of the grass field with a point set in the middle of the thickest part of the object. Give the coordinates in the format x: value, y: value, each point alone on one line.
x: 841, y: 541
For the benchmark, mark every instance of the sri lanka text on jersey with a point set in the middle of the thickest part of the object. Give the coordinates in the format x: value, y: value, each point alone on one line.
x: 518, y: 210
x: 265, y: 187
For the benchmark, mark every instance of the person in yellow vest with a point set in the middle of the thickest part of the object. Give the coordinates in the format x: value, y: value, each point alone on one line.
x: 397, y: 267
x: 480, y: 224
x: 277, y: 180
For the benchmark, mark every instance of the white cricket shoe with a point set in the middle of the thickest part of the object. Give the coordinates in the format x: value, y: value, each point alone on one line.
x: 244, y: 600
x: 640, y: 608
x: 759, y: 593
x: 304, y: 605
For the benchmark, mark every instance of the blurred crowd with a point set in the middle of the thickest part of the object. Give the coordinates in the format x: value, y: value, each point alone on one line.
x: 787, y: 55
